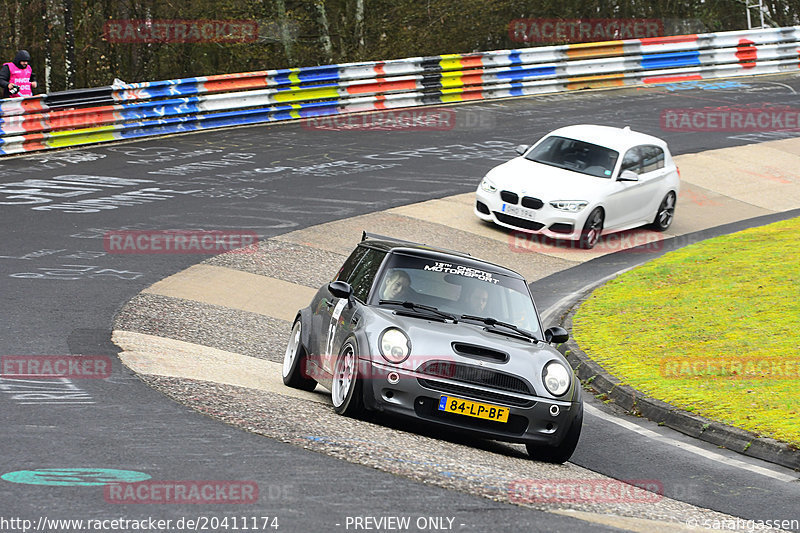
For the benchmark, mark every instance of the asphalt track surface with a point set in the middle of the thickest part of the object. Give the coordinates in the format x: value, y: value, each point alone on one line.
x: 61, y: 291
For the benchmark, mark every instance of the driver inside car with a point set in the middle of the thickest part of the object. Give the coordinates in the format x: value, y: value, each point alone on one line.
x: 397, y: 286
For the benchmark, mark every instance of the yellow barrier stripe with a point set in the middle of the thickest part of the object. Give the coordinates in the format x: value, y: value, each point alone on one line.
x: 305, y: 94
x: 451, y: 62
x: 61, y: 139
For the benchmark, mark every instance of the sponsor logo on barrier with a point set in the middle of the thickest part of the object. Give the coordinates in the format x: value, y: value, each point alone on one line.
x: 55, y: 366
x: 182, y: 492
x: 730, y: 368
x: 180, y: 31
x: 749, y: 119
x: 179, y: 242
x: 585, y: 491
x: 634, y: 241
x: 542, y: 30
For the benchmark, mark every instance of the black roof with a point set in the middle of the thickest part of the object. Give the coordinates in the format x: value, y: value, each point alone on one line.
x: 389, y: 244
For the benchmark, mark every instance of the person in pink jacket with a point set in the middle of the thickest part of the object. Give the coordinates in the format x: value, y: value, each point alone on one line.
x: 17, y: 78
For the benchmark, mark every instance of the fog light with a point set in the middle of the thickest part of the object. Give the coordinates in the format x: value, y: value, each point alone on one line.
x: 554, y: 410
x: 393, y: 378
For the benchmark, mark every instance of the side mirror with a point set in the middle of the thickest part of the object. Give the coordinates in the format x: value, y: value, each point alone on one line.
x: 522, y: 148
x: 628, y: 175
x: 556, y: 334
x: 340, y: 289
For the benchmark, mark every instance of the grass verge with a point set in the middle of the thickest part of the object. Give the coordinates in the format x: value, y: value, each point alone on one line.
x: 712, y: 328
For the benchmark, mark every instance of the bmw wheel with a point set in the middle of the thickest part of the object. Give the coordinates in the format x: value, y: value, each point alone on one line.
x: 346, y: 387
x: 294, y: 370
x: 665, y: 213
x: 592, y: 229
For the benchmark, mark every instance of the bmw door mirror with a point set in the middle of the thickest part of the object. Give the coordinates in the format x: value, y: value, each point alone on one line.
x: 556, y: 335
x: 340, y: 289
x: 522, y: 148
x: 628, y: 175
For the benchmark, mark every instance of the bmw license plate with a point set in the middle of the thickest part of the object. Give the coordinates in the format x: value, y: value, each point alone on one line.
x: 521, y: 212
x: 486, y: 411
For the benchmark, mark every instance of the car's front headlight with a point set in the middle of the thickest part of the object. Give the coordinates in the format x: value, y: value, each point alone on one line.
x: 487, y: 185
x: 395, y: 345
x: 556, y: 378
x: 573, y: 206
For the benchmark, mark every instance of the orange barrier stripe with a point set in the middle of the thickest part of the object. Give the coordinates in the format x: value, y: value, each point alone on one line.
x: 672, y: 79
x: 587, y: 50
x: 646, y: 41
x: 232, y: 84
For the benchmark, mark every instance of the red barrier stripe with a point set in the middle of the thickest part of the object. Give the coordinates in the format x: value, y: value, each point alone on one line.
x: 382, y: 87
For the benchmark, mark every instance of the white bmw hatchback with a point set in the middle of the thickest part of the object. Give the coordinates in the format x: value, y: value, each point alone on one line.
x: 582, y: 181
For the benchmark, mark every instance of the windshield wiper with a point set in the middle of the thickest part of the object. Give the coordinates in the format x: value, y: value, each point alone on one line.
x: 492, y: 322
x: 414, y: 307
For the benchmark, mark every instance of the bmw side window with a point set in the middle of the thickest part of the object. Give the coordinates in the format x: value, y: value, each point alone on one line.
x: 632, y: 161
x: 652, y: 158
x: 364, y: 274
x: 347, y: 268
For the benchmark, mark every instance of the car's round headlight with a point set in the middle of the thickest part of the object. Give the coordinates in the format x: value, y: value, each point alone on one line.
x: 487, y: 185
x: 395, y: 345
x: 556, y: 378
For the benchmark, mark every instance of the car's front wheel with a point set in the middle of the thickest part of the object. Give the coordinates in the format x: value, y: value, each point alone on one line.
x: 592, y: 229
x: 294, y: 362
x: 559, y: 454
x: 346, y: 392
x: 665, y: 213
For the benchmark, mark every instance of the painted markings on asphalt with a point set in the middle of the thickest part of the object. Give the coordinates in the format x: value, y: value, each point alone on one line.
x: 691, y: 448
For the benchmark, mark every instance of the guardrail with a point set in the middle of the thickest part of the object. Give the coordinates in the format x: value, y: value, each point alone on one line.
x: 72, y: 118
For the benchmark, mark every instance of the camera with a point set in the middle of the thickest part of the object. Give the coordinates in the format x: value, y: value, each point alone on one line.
x: 13, y: 89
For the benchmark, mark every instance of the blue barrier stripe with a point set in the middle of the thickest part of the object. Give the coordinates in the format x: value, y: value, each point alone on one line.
x: 673, y: 60
x: 514, y: 57
x: 519, y: 73
x: 309, y: 74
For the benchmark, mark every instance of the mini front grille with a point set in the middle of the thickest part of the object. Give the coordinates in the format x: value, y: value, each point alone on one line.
x: 482, y: 208
x: 518, y: 222
x: 474, y: 375
x: 509, y: 197
x: 562, y: 227
x: 469, y: 392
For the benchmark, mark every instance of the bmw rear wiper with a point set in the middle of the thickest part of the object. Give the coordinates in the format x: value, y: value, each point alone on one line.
x: 413, y: 306
x: 492, y: 322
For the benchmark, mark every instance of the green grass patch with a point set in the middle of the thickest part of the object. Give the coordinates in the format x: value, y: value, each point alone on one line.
x: 712, y: 328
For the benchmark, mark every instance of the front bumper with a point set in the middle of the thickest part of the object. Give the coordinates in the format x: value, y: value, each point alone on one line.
x: 417, y: 395
x: 546, y: 220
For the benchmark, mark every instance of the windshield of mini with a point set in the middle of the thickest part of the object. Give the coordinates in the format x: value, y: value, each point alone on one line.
x: 457, y: 289
x: 575, y: 155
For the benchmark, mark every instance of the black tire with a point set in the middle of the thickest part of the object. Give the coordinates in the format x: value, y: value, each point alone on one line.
x: 665, y: 213
x: 294, y: 362
x: 592, y: 229
x: 346, y: 389
x: 559, y: 454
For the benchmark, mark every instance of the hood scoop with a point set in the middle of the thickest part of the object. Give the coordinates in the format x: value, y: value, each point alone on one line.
x: 479, y: 352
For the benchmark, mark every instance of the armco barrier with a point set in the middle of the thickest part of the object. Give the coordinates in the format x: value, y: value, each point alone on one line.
x: 128, y: 111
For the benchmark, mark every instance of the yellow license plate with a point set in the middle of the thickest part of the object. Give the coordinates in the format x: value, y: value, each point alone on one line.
x: 486, y: 411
